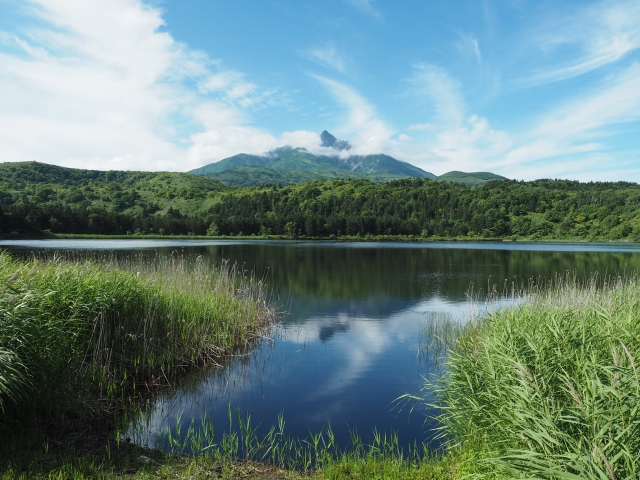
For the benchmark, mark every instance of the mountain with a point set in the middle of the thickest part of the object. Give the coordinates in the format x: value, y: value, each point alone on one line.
x: 288, y: 165
x: 329, y: 140
x: 240, y: 160
x: 252, y: 176
x: 381, y: 163
x: 474, y: 179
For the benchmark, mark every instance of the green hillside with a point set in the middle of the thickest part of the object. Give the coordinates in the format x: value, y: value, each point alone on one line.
x: 383, y: 164
x: 472, y: 179
x: 293, y: 165
x: 251, y: 176
x: 38, y: 199
x: 126, y: 192
x: 299, y: 160
x: 231, y: 163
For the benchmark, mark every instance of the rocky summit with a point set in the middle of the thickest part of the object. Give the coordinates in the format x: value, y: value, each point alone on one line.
x: 329, y: 140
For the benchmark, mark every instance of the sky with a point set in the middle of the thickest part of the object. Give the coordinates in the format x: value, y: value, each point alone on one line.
x: 524, y: 88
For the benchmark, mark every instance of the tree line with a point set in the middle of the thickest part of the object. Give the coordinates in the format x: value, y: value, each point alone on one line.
x: 418, y: 208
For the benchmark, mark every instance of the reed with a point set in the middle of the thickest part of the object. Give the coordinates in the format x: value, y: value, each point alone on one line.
x: 316, y: 456
x: 77, y: 332
x: 549, y: 387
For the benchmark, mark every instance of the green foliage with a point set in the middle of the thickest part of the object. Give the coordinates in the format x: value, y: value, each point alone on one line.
x: 38, y: 199
x: 237, y: 161
x: 81, y: 331
x: 551, y: 387
x: 250, y: 176
x: 14, y: 381
x: 474, y: 179
x: 317, y: 455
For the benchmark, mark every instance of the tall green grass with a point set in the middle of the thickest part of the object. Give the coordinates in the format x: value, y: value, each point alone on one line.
x: 550, y: 388
x: 85, y: 333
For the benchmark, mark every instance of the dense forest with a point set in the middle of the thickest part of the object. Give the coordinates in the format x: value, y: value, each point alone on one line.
x: 39, y: 199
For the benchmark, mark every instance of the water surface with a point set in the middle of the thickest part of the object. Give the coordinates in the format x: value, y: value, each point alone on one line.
x: 350, y: 343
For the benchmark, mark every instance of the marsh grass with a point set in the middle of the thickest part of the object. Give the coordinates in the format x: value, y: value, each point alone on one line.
x: 318, y: 455
x: 84, y: 334
x: 436, y: 338
x: 549, y: 387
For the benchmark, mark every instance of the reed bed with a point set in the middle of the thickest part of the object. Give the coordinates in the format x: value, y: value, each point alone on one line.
x: 549, y: 387
x: 74, y: 332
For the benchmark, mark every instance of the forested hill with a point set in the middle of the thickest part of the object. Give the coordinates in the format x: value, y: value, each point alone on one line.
x: 287, y: 166
x: 37, y: 198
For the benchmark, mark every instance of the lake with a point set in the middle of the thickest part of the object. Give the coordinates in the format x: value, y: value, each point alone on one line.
x: 351, y: 340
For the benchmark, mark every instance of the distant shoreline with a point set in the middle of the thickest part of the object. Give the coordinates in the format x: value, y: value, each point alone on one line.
x: 370, y: 238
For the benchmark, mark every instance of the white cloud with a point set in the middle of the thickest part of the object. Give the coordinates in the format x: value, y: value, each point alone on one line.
x: 220, y: 141
x: 77, y: 95
x: 580, y: 166
x: 465, y: 144
x: 560, y: 137
x: 326, y: 55
x: 566, y: 142
x: 97, y: 85
x: 472, y: 146
x: 615, y: 101
x: 597, y: 35
x: 545, y: 148
x: 372, y: 135
x: 424, y: 127
x: 570, y: 140
x: 443, y: 93
x: 232, y: 84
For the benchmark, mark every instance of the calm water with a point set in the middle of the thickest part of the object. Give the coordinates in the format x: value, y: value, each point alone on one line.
x: 350, y: 343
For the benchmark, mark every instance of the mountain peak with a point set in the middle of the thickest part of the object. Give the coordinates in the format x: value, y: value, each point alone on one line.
x: 329, y: 140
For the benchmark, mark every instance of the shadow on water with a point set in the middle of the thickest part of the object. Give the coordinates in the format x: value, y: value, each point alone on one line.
x: 364, y: 324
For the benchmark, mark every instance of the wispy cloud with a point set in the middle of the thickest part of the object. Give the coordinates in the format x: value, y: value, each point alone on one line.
x: 468, y: 45
x: 579, y: 128
x: 434, y: 84
x: 544, y: 148
x: 326, y: 55
x: 586, y: 40
x: 569, y: 141
x: 366, y: 6
x: 424, y: 127
x: 615, y: 101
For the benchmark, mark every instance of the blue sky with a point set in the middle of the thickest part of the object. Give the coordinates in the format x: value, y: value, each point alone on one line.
x: 527, y: 89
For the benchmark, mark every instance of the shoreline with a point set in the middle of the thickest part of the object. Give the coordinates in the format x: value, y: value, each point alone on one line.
x: 353, y: 239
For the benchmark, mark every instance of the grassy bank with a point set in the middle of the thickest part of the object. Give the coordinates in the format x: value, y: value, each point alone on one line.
x: 550, y: 388
x: 80, y: 339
